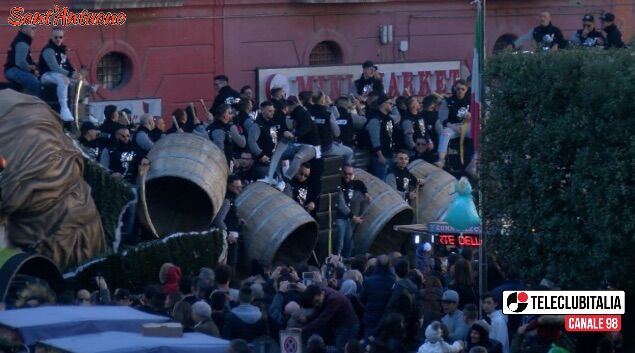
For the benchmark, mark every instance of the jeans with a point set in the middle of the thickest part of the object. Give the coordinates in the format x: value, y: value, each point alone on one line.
x: 344, y: 237
x: 377, y: 169
x: 449, y: 133
x: 26, y: 79
x: 301, y: 154
x: 62, y: 82
x: 338, y: 149
x: 345, y: 334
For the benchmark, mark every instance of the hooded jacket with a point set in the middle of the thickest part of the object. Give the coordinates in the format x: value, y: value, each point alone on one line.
x: 491, y: 345
x: 244, y: 321
x: 172, y: 279
x: 434, y: 341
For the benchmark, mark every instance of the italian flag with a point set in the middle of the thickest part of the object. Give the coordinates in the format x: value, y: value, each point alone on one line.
x: 477, y: 69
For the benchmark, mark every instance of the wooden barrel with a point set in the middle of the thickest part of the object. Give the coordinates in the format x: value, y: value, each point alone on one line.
x: 17, y: 268
x: 435, y: 197
x: 387, y: 209
x: 276, y: 227
x: 185, y: 186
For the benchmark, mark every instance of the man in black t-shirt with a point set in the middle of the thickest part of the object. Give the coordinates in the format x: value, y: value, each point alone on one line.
x: 369, y: 81
x: 547, y: 36
x: 303, y: 189
x: 227, y: 219
x: 352, y: 203
x: 613, y: 35
x: 89, y: 142
x: 225, y: 94
x: 400, y: 178
x: 588, y: 36
x: 453, y: 116
x: 262, y: 138
x: 306, y: 136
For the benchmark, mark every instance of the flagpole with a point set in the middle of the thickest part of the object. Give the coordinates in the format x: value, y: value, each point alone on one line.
x: 481, y: 8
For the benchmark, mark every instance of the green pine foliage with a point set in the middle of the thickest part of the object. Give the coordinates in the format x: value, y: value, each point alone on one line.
x: 558, y: 166
x: 110, y: 195
x: 139, y: 267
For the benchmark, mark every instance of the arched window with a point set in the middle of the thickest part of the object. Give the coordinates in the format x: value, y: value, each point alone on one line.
x: 325, y: 53
x: 506, y: 41
x: 113, y: 70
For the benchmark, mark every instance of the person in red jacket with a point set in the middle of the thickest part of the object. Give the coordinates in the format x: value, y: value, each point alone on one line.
x: 334, y: 311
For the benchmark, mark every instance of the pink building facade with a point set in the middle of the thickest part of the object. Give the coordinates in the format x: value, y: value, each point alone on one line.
x: 169, y: 51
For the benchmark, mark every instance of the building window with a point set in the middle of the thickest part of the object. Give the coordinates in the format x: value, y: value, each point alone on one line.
x: 113, y: 70
x: 325, y: 53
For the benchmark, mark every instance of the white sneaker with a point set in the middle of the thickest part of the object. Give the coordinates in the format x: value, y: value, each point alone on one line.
x: 66, y: 114
x: 280, y: 185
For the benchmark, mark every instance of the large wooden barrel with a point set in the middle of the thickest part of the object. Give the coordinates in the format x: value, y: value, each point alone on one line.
x: 18, y: 268
x: 435, y: 197
x: 387, y: 209
x: 185, y: 186
x: 276, y: 227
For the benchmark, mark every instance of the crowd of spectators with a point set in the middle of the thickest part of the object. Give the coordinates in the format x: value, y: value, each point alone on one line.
x: 350, y: 304
x: 362, y: 303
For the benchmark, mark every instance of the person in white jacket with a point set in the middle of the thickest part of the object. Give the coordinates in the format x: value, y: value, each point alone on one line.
x: 434, y: 341
x: 498, y: 329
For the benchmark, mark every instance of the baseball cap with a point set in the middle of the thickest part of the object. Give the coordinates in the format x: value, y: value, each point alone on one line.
x: 368, y: 63
x: 588, y: 18
x: 87, y: 126
x: 450, y: 296
x: 608, y: 17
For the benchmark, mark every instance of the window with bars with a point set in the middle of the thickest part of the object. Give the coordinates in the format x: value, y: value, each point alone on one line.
x: 325, y: 53
x: 112, y: 70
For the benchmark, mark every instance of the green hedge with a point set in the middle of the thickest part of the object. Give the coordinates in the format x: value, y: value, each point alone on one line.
x: 138, y: 267
x: 110, y: 196
x: 558, y: 166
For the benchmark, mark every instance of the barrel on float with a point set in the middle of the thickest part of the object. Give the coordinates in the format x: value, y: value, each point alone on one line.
x: 387, y: 209
x: 17, y: 269
x: 185, y: 186
x: 276, y: 227
x: 436, y: 195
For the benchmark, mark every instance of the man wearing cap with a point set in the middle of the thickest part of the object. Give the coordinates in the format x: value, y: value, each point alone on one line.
x: 20, y: 67
x: 369, y: 81
x: 613, y: 35
x: 380, y: 130
x: 453, y: 318
x: 88, y: 141
x: 588, y: 36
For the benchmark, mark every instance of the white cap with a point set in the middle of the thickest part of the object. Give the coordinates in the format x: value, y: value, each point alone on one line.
x: 427, y: 247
